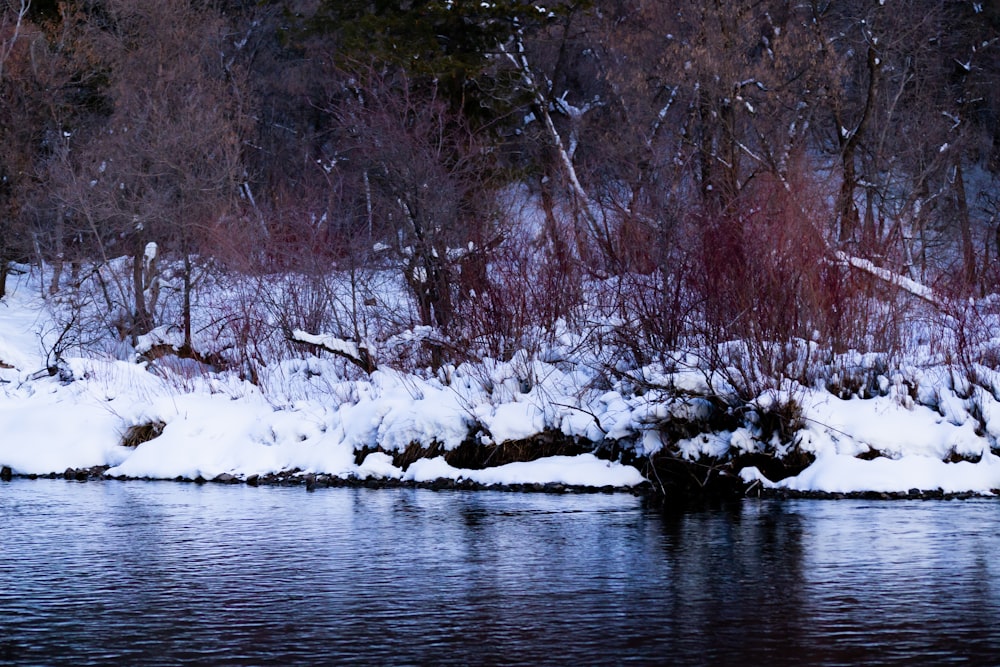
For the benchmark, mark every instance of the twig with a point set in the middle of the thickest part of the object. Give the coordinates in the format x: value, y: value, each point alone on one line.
x: 597, y: 420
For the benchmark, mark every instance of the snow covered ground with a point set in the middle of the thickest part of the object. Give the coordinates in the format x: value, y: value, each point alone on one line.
x: 217, y: 423
x: 311, y: 417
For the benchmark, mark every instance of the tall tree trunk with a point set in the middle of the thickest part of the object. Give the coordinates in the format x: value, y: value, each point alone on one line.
x: 869, y: 235
x: 186, y: 314
x: 847, y: 210
x: 57, y: 264
x: 140, y: 320
x: 730, y: 178
x: 965, y: 225
x: 706, y: 153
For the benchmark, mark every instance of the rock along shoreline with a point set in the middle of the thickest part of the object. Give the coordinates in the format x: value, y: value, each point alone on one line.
x: 312, y: 482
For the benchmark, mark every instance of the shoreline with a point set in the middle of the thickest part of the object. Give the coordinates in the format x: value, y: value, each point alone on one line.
x: 314, y: 481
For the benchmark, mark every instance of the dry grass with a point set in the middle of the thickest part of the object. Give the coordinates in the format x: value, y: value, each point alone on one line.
x: 140, y: 433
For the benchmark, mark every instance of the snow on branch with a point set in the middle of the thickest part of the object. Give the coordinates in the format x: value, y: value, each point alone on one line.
x: 912, y: 286
x: 358, y: 354
x: 520, y: 61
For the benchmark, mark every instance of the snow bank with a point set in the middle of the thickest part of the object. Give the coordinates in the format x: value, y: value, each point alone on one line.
x: 215, y: 425
x: 307, y: 415
x: 838, y: 473
x: 583, y: 470
x: 52, y: 429
x: 882, y: 424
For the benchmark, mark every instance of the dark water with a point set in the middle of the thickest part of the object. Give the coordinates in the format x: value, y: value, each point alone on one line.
x: 139, y: 573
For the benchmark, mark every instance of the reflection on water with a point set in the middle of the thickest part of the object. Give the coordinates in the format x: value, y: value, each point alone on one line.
x: 135, y: 572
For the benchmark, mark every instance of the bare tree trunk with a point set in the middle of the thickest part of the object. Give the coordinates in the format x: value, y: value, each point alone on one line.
x: 57, y: 264
x: 847, y: 211
x: 186, y: 314
x: 579, y: 197
x: 7, y: 45
x: 869, y: 235
x: 965, y: 226
x: 706, y: 150
x: 730, y: 180
x: 140, y: 321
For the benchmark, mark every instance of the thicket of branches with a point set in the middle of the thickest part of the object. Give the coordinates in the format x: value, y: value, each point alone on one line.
x: 662, y: 176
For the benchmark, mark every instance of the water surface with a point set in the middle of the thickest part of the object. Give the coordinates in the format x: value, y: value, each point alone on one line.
x: 166, y: 573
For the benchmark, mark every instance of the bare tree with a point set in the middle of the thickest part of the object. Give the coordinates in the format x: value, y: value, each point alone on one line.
x: 12, y: 20
x: 166, y: 165
x: 424, y: 181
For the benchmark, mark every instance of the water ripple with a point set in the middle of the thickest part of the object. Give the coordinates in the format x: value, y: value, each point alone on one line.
x: 159, y: 573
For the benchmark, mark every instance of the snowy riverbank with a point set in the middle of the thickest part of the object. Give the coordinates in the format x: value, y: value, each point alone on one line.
x: 310, y: 416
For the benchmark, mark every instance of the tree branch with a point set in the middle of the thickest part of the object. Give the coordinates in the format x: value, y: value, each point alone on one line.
x: 357, y: 353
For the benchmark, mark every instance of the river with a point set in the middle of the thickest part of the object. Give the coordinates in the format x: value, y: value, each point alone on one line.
x: 168, y: 573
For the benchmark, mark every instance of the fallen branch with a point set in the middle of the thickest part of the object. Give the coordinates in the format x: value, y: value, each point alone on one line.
x: 357, y: 353
x: 593, y: 415
x: 902, y: 282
